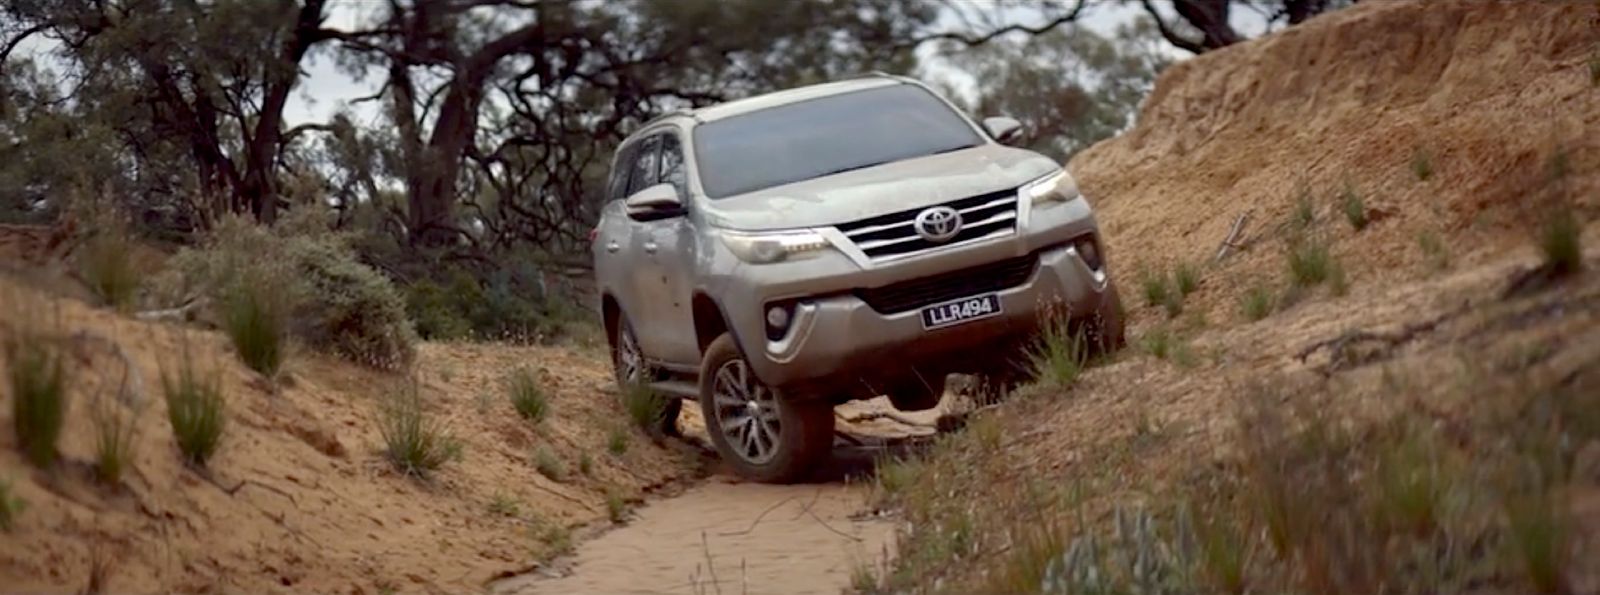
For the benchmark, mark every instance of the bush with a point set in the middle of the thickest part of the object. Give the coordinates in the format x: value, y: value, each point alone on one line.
x: 10, y: 506
x: 38, y: 395
x: 196, y: 411
x: 1560, y: 241
x: 506, y: 303
x: 415, y: 444
x: 548, y: 465
x: 526, y: 396
x: 351, y: 309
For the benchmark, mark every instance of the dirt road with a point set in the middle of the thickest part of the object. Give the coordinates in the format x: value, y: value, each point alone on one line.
x: 729, y: 536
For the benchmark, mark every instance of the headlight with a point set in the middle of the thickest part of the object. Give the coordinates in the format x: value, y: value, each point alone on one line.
x: 1056, y: 187
x: 762, y: 248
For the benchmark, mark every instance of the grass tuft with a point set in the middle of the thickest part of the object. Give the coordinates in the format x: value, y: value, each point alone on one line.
x: 10, y: 506
x: 1059, y: 356
x: 1159, y: 342
x: 106, y: 265
x: 616, y: 507
x: 545, y: 461
x: 504, y: 505
x: 256, y: 319
x: 195, y: 410
x: 1304, y: 213
x: 1156, y: 291
x: 644, y: 406
x: 1258, y: 302
x: 617, y: 440
x: 585, y: 464
x: 114, y: 434
x: 1422, y: 164
x: 39, y: 401
x: 527, y: 398
x: 1540, y: 532
x: 1560, y: 241
x: 1310, y: 263
x: 1433, y: 251
x: 415, y: 444
x: 1354, y: 207
x: 1594, y: 70
x: 1186, y: 278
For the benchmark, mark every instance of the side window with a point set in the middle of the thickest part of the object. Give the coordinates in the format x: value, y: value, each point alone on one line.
x: 617, y: 186
x: 645, y: 165
x: 672, y: 164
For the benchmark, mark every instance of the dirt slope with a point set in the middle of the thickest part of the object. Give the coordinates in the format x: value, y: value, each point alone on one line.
x: 299, y: 497
x: 1492, y: 95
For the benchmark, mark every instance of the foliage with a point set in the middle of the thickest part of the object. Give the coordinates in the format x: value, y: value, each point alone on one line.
x: 256, y: 318
x: 1156, y: 290
x: 1185, y: 278
x: 644, y: 407
x: 617, y: 440
x: 616, y: 507
x: 1354, y: 207
x: 545, y: 461
x: 38, y: 379
x: 414, y: 443
x: 1309, y: 261
x: 1258, y: 303
x: 526, y: 397
x: 1060, y: 355
x: 350, y: 309
x: 114, y: 433
x: 196, y: 410
x: 106, y: 265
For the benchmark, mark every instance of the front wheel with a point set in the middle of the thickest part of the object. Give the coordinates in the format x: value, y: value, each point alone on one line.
x: 764, y: 437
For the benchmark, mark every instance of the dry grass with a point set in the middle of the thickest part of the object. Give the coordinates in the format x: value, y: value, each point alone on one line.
x: 415, y: 443
x: 527, y: 398
x: 195, y: 409
x: 10, y: 506
x: 38, y: 378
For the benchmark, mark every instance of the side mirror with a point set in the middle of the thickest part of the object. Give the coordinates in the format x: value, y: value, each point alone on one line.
x: 1003, y: 129
x: 655, y: 202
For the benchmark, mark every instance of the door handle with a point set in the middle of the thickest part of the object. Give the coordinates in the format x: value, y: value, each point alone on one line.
x: 613, y: 246
x: 649, y: 247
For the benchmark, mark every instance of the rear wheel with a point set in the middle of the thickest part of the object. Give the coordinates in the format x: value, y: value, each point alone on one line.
x: 634, y: 376
x: 762, y: 436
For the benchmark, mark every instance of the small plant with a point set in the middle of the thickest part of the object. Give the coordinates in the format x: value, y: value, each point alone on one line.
x: 1433, y: 251
x: 10, y: 506
x: 39, y: 400
x: 617, y: 440
x: 1224, y: 551
x: 1159, y: 342
x: 863, y: 577
x: 893, y: 476
x: 1354, y: 207
x: 1059, y: 356
x: 1540, y: 533
x: 256, y: 318
x: 1594, y: 70
x: 1309, y: 262
x: 527, y: 398
x: 195, y: 410
x: 1186, y: 278
x: 1174, y: 304
x: 585, y: 464
x: 548, y: 465
x: 106, y: 265
x: 1155, y: 289
x: 1338, y: 284
x: 414, y: 443
x: 1411, y: 484
x: 504, y: 505
x: 114, y: 434
x: 1422, y: 164
x: 1559, y: 240
x: 556, y: 538
x: 616, y: 507
x: 1257, y: 303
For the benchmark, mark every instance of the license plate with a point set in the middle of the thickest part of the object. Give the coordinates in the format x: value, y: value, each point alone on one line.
x: 959, y: 311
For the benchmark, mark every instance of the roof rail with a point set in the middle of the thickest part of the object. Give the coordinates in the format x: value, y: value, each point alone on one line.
x: 875, y: 74
x: 671, y: 114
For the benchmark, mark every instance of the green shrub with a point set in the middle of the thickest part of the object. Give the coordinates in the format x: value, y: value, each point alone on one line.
x: 1186, y: 278
x: 38, y: 395
x: 256, y: 318
x: 414, y: 443
x: 114, y: 435
x: 195, y: 408
x: 10, y: 506
x: 526, y: 396
x: 1158, y: 342
x: 1560, y: 238
x: 545, y: 461
x: 1354, y: 207
x: 1257, y: 303
x: 1422, y: 164
x: 644, y: 406
x: 1309, y: 262
x: 617, y: 440
x: 106, y: 264
x: 351, y: 309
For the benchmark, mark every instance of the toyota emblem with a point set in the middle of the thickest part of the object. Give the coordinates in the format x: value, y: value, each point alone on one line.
x: 938, y: 224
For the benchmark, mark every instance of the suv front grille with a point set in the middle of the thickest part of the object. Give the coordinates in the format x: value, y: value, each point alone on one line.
x: 888, y: 236
x: 943, y: 287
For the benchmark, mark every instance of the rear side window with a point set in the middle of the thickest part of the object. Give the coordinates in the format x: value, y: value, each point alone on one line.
x: 645, y: 165
x: 617, y: 186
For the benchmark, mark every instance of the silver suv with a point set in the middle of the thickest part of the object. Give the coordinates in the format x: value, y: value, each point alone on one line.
x: 775, y: 256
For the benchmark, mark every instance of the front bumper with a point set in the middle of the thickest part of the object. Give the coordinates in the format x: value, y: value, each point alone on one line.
x: 839, y: 346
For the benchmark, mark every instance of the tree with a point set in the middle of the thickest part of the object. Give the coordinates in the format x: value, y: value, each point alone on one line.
x: 1211, y: 20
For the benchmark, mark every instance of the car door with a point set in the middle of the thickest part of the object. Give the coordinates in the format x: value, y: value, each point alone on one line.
x: 615, y: 263
x: 669, y: 247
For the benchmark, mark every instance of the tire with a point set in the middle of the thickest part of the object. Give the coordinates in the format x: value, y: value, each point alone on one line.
x: 1107, y: 330
x: 797, y: 434
x: 631, y: 370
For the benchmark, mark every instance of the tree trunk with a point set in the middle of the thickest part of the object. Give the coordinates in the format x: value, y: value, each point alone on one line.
x: 258, y: 189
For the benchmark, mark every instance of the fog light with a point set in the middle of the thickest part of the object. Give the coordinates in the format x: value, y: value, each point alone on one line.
x: 1089, y: 251
x: 777, y: 317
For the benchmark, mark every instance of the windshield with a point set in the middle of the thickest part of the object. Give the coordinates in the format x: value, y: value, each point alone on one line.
x: 823, y: 136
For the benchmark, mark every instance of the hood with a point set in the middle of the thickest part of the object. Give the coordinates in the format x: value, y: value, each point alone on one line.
x: 881, y: 189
